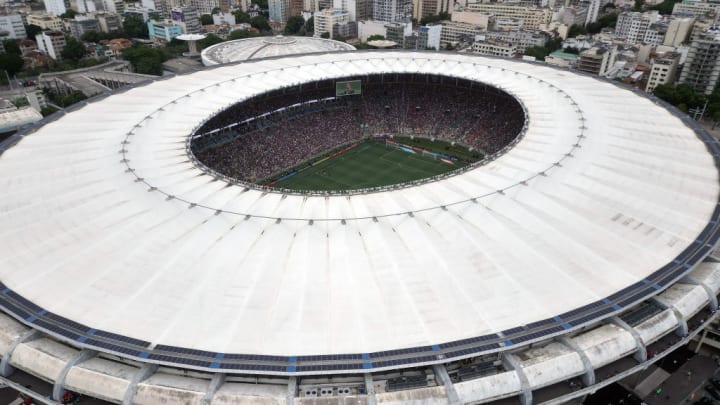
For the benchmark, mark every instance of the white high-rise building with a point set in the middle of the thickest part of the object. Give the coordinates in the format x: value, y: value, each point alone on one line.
x: 52, y: 43
x: 55, y: 7
x: 325, y: 21
x: 592, y: 12
x: 13, y: 24
x: 392, y: 10
x: 279, y: 10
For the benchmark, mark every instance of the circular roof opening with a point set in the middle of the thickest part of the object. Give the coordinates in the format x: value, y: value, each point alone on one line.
x: 359, y: 133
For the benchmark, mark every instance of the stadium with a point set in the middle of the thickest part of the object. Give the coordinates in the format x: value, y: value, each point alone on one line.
x: 139, y: 265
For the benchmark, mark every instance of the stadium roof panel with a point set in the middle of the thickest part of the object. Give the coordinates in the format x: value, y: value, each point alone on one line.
x: 109, y: 224
x: 262, y: 47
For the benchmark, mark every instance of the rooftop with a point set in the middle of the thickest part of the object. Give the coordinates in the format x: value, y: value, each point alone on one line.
x: 262, y: 47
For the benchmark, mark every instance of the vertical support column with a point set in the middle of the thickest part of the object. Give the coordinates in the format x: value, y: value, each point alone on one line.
x: 143, y: 374
x: 641, y: 353
x: 442, y: 376
x: 510, y: 362
x: 682, y: 329
x: 710, y: 293
x: 5, y: 368
x: 217, y: 380
x: 292, y: 391
x: 59, y: 385
x: 370, y: 389
x: 589, y: 377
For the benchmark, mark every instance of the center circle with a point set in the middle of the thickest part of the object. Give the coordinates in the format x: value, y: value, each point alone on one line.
x: 359, y: 133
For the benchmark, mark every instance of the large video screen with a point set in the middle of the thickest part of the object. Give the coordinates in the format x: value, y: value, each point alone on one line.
x: 348, y: 88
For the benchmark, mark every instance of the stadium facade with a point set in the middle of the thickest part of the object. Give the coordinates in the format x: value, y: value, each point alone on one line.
x: 584, y: 251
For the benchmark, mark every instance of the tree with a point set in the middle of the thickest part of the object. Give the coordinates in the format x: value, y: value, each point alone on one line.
x: 11, y: 63
x: 294, y: 25
x: 310, y: 25
x: 146, y: 60
x: 553, y: 44
x: 32, y: 30
x: 11, y: 46
x: 682, y: 96
x: 638, y: 5
x: 74, y: 50
x: 45, y: 111
x: 325, y: 35
x: 210, y: 40
x: 241, y: 17
x: 242, y: 34
x: 206, y: 19
x: 576, y: 30
x: 215, y: 10
x: 375, y: 38
x: 572, y: 50
x: 666, y: 7
x: 608, y: 21
x: 539, y: 52
x: 135, y: 27
x: 434, y: 18
x: 260, y: 23
x: 69, y: 14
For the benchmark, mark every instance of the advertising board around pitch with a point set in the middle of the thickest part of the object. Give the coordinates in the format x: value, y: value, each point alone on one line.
x: 348, y: 88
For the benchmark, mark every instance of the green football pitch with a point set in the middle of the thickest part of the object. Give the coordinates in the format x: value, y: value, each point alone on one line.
x: 370, y: 164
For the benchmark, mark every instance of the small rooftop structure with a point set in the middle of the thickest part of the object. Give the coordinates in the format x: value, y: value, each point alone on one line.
x: 382, y: 43
x: 11, y: 120
x: 191, y: 39
x: 262, y: 47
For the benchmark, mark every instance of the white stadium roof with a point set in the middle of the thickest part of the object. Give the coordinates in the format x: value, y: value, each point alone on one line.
x: 108, y: 223
x: 263, y: 47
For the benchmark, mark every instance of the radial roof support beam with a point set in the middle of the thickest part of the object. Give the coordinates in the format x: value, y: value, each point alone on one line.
x: 510, y: 362
x: 682, y: 329
x: 217, y: 380
x: 589, y: 377
x: 143, y: 374
x: 5, y: 368
x: 292, y: 391
x: 370, y: 389
x: 641, y: 353
x: 59, y: 385
x: 442, y: 376
x: 708, y: 290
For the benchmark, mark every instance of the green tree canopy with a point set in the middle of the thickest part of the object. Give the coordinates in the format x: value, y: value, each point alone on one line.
x: 134, y: 26
x: 242, y: 34
x: 70, y: 14
x: 310, y: 25
x: 576, y: 30
x: 666, y: 7
x: 32, y: 30
x: 682, y: 96
x: 294, y: 25
x: 375, y: 38
x: 145, y: 60
x: 210, y: 40
x: 325, y: 35
x: 74, y: 50
x: 539, y: 52
x: 261, y: 23
x: 434, y: 18
x: 241, y: 17
x: 11, y: 46
x: 206, y: 19
x: 11, y: 63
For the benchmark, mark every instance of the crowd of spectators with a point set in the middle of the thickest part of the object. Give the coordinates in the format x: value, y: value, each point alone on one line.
x: 267, y: 135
